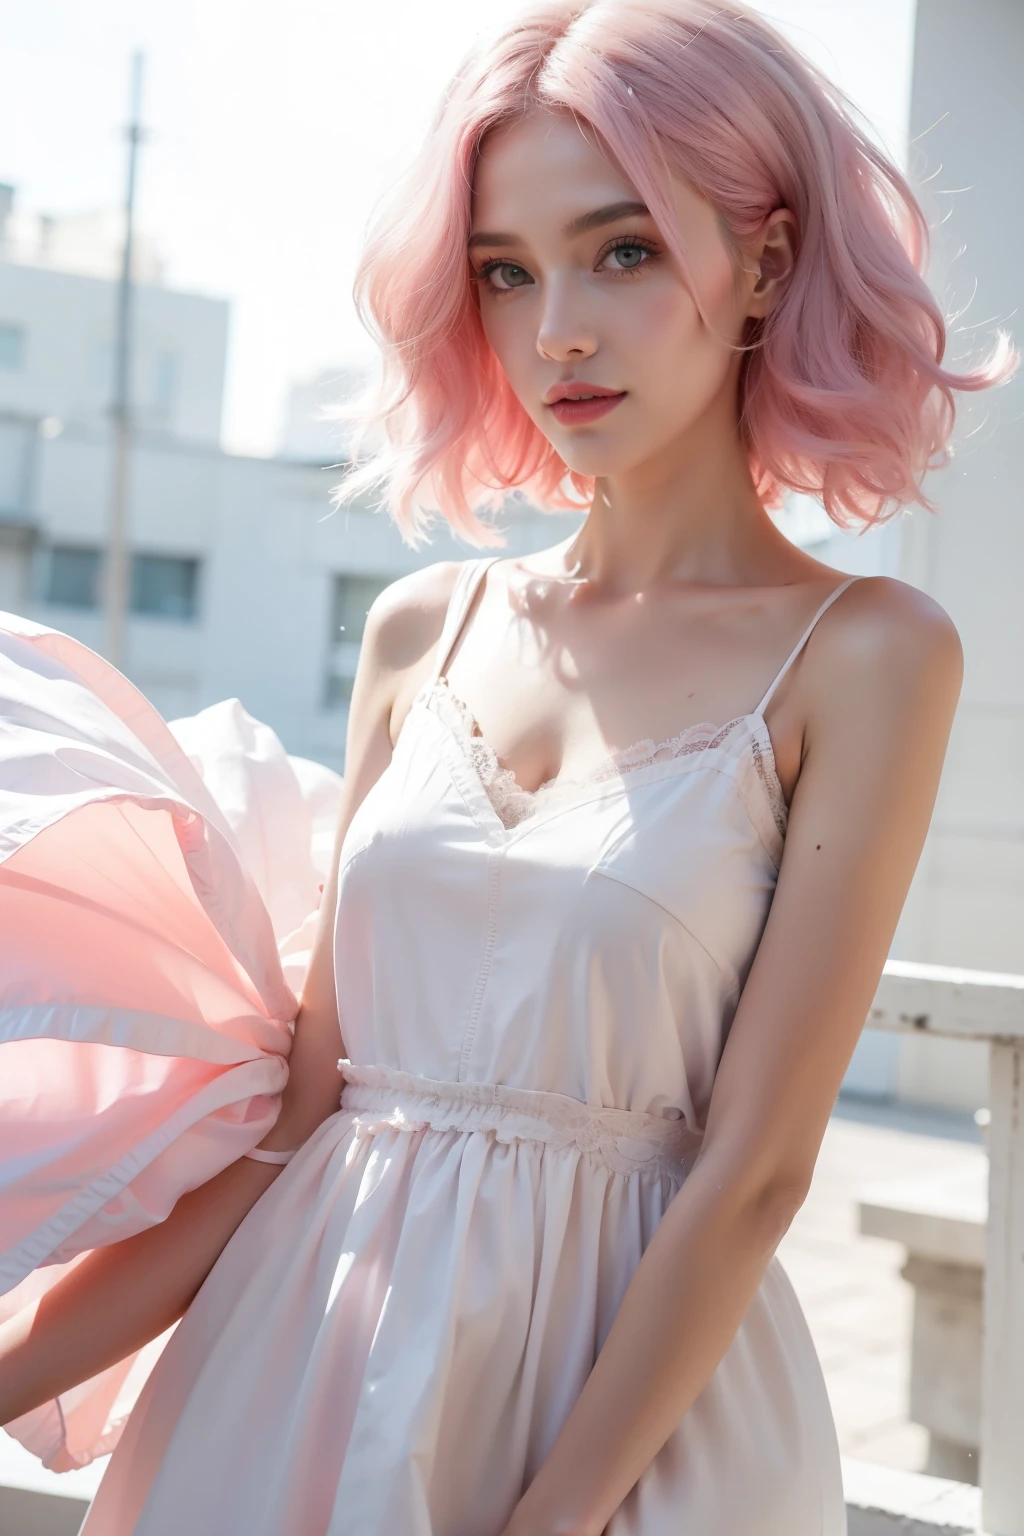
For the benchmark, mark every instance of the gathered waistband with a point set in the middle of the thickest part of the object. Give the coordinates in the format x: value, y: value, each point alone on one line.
x: 384, y: 1098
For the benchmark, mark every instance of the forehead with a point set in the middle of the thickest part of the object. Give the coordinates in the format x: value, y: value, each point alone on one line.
x: 547, y: 159
x: 534, y: 175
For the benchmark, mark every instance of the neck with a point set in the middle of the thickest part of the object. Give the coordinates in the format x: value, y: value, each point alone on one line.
x: 689, y: 514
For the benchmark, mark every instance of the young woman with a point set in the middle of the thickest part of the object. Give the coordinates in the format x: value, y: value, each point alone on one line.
x: 625, y: 833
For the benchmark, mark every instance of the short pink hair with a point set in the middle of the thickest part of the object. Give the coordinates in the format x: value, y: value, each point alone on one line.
x: 842, y: 393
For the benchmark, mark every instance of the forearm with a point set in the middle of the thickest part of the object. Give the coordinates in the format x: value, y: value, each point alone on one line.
x: 120, y: 1297
x: 313, y: 1090
x: 678, y: 1317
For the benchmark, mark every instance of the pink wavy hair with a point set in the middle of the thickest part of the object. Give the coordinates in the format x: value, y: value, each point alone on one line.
x: 842, y: 390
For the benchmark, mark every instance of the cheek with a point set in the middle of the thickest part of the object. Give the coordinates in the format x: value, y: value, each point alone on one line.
x: 668, y: 316
x: 664, y: 345
x: 683, y: 357
x: 507, y: 338
x: 512, y: 338
x: 665, y: 317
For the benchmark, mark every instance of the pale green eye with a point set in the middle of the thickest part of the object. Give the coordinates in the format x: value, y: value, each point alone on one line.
x: 634, y: 254
x: 519, y: 277
x: 629, y: 256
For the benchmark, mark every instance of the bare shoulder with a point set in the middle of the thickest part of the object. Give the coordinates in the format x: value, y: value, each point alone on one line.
x: 885, y: 640
x: 408, y: 614
x: 403, y: 626
x: 879, y: 697
x: 405, y: 619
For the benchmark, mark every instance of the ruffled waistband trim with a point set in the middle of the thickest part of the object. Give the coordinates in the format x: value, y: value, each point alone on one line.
x: 627, y: 1141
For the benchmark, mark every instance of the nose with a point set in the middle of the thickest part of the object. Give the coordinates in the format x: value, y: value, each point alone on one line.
x: 565, y: 330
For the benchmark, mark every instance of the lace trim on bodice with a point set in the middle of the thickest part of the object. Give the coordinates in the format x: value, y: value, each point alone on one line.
x: 513, y: 803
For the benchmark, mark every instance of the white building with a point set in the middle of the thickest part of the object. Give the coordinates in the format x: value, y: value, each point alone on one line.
x: 242, y: 576
x: 307, y: 431
x: 57, y: 337
x: 244, y: 582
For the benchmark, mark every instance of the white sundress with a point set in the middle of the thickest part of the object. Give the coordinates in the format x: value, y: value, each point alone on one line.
x: 534, y: 992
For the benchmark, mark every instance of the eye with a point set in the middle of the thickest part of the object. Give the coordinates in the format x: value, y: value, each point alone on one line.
x: 634, y: 251
x: 514, y: 276
x: 631, y: 253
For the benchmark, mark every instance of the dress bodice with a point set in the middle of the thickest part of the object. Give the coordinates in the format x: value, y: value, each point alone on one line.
x: 591, y: 938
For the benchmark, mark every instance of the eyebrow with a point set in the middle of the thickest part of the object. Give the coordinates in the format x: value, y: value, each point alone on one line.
x: 580, y: 226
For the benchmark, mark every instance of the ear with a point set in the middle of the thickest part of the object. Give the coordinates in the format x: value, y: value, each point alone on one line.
x: 769, y: 262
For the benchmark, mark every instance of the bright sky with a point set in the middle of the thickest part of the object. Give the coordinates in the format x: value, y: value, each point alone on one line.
x: 276, y: 125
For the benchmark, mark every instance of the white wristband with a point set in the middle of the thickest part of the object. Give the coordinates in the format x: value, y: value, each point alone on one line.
x: 271, y: 1157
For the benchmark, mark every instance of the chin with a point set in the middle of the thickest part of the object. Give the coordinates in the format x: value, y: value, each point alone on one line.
x: 600, y: 460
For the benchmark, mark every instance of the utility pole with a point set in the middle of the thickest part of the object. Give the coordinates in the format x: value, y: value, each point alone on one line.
x: 116, y: 581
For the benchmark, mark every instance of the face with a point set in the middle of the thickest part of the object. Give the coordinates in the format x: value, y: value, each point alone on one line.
x: 565, y: 297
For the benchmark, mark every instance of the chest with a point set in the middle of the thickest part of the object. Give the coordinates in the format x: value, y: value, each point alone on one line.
x: 686, y: 841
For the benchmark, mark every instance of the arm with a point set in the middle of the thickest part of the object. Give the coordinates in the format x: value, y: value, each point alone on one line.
x: 402, y: 627
x: 116, y: 1299
x: 881, y: 691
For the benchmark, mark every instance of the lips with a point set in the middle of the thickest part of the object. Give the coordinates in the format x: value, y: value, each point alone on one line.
x: 574, y: 389
x: 573, y: 409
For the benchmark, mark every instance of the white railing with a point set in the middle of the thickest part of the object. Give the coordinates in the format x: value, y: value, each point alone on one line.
x: 984, y: 1005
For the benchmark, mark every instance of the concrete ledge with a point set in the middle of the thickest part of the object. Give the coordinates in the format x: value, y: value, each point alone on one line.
x: 24, y: 1512
x: 35, y: 1502
x: 939, y: 1217
x: 883, y: 1502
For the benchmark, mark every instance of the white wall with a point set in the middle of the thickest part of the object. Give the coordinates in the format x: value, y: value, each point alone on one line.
x: 969, y: 904
x: 966, y: 906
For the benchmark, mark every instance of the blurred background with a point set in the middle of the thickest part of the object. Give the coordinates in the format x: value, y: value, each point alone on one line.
x: 162, y: 413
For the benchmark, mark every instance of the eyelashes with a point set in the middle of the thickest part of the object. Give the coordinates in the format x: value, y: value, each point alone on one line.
x: 622, y: 242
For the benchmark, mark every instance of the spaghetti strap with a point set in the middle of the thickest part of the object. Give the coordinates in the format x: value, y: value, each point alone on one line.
x: 463, y: 592
x: 794, y: 653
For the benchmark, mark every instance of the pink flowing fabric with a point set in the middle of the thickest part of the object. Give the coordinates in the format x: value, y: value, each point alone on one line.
x: 159, y: 887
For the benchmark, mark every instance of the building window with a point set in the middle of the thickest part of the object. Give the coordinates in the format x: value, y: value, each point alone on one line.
x: 12, y: 346
x: 351, y: 601
x: 338, y: 690
x: 73, y: 576
x: 162, y: 586
x: 351, y: 598
x: 165, y: 586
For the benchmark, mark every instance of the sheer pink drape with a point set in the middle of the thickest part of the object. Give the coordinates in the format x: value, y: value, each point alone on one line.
x: 158, y: 893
